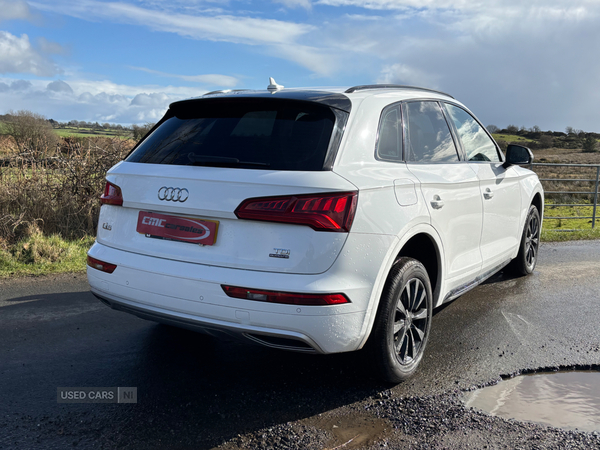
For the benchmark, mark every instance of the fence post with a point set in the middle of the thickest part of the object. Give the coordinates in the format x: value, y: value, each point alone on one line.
x: 595, y: 198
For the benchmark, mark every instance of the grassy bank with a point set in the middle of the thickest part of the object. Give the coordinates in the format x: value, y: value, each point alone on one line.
x: 43, y: 255
x: 49, y: 205
x: 557, y: 235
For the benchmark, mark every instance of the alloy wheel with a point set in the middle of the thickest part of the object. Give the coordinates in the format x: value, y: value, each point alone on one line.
x: 410, y: 321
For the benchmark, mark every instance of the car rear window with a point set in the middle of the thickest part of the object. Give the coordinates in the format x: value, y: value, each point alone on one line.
x: 270, y: 134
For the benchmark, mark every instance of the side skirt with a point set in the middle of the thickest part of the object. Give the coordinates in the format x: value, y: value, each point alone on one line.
x: 457, y: 292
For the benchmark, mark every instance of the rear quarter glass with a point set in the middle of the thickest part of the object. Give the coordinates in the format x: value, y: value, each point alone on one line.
x: 249, y: 133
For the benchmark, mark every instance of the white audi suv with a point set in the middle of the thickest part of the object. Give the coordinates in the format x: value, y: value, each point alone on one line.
x: 314, y: 220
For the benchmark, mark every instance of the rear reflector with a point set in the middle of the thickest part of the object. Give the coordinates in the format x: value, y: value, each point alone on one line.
x: 101, y: 265
x: 288, y: 298
x: 321, y: 212
x: 112, y: 195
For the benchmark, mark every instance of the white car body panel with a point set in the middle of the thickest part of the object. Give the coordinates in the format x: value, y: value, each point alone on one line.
x: 457, y: 219
x: 194, y: 291
x: 215, y: 194
x: 501, y: 196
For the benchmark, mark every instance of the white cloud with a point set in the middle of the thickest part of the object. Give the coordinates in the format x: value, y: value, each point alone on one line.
x: 362, y: 17
x: 399, y: 4
x: 407, y: 75
x: 491, y: 6
x: 151, y: 100
x: 321, y: 61
x: 530, y: 65
x: 224, y: 81
x: 59, y: 86
x: 188, y: 6
x: 11, y: 9
x: 306, y: 4
x: 91, y: 100
x: 48, y: 47
x: 280, y: 37
x: 229, y: 28
x: 20, y: 85
x: 18, y: 56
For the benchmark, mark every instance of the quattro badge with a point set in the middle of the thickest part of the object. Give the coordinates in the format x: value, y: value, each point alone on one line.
x: 283, y: 253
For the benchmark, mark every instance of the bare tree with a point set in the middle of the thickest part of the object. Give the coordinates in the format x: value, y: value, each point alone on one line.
x: 493, y: 129
x: 139, y: 131
x: 32, y: 133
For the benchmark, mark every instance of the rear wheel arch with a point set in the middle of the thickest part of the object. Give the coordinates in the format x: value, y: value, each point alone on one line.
x: 424, y: 248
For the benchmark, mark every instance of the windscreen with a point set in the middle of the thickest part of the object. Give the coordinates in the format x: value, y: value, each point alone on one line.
x: 272, y: 134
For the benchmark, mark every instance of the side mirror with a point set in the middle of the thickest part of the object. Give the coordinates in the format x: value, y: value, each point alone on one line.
x: 517, y: 154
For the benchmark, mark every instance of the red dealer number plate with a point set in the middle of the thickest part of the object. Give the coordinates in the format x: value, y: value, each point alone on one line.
x: 185, y: 229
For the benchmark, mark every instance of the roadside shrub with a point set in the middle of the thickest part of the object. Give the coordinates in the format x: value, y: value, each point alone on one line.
x: 59, y: 194
x: 590, y: 144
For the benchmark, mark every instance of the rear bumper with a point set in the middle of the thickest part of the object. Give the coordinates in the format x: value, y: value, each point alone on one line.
x: 190, y: 296
x: 219, y: 329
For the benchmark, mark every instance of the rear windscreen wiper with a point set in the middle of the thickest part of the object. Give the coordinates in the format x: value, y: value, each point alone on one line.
x: 201, y: 160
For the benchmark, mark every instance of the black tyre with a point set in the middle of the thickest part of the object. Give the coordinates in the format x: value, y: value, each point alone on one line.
x: 403, y: 321
x: 525, y: 262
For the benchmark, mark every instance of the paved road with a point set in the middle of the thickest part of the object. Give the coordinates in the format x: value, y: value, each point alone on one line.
x: 194, y: 392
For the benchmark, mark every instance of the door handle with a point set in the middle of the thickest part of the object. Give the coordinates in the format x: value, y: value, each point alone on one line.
x: 437, y: 202
x: 488, y: 194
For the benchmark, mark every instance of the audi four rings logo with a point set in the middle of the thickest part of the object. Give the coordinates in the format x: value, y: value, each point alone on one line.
x: 171, y: 194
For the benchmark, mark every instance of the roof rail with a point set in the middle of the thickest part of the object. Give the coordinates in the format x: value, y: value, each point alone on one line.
x: 224, y: 91
x: 391, y: 86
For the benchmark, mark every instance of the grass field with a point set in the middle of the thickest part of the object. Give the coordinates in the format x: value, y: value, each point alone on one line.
x: 88, y: 132
x: 569, y: 229
x: 83, y: 132
x: 511, y: 138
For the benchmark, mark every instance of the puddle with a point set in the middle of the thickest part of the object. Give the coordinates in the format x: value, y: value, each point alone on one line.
x: 353, y: 431
x: 568, y: 400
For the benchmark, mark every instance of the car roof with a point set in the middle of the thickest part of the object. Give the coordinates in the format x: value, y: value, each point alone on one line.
x: 336, y: 97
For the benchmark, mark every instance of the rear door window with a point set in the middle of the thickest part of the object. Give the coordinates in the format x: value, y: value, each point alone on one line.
x: 246, y: 133
x: 429, y: 137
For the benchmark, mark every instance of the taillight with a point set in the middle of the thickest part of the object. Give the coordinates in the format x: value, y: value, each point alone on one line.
x: 288, y: 298
x: 112, y: 195
x: 321, y: 212
x: 101, y: 265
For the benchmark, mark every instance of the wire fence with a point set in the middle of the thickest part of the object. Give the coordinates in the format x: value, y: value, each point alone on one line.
x: 570, y: 187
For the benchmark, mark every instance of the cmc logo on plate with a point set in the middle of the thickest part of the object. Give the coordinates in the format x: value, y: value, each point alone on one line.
x: 185, y: 229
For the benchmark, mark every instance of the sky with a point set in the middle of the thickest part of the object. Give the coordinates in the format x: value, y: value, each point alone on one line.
x: 515, y: 62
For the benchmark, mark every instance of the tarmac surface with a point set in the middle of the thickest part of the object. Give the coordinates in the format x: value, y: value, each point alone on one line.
x: 197, y: 392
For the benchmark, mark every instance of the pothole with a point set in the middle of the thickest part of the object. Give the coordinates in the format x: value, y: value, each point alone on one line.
x: 568, y: 400
x: 353, y: 431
